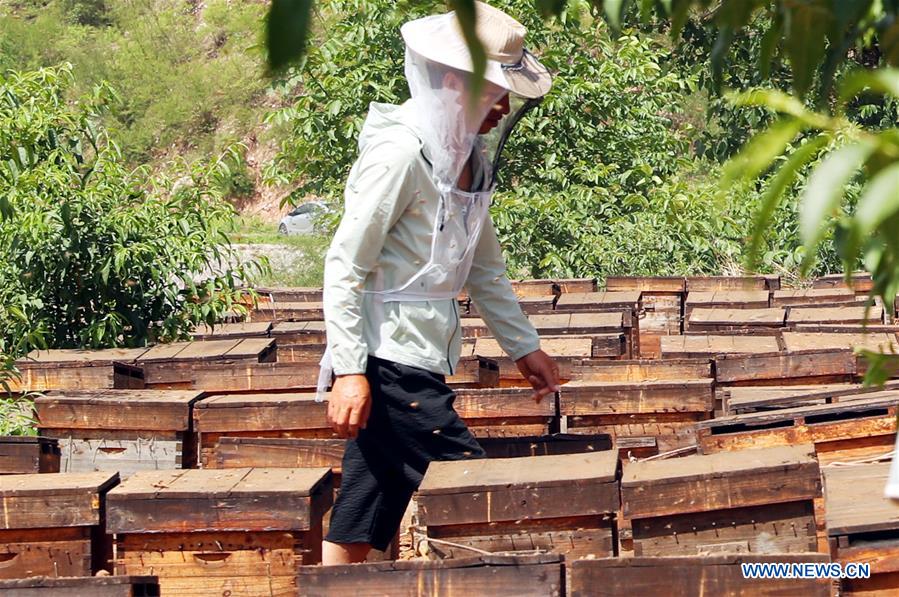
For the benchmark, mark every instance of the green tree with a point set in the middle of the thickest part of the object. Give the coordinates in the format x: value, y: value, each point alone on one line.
x: 92, y: 253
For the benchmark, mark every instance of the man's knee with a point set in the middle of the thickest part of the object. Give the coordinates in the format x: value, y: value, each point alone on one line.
x: 344, y: 553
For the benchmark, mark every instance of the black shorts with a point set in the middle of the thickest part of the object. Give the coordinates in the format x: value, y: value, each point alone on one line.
x: 412, y: 423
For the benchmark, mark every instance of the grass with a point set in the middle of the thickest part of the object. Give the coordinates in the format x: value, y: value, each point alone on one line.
x: 296, y: 260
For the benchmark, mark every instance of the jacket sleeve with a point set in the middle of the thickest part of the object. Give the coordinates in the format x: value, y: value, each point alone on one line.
x: 497, y: 304
x: 376, y: 195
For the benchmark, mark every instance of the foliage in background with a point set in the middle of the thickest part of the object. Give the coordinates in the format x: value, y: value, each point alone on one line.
x: 188, y: 80
x: 92, y: 253
x: 17, y: 416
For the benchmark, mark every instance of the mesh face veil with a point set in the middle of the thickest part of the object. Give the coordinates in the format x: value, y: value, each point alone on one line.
x: 445, y: 117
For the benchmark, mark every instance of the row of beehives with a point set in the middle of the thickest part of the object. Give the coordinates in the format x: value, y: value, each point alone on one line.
x: 246, y: 531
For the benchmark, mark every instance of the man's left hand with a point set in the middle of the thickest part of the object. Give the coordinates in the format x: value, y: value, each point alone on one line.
x: 541, y: 372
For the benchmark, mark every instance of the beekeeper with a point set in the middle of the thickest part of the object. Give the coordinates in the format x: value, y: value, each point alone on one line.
x: 415, y: 232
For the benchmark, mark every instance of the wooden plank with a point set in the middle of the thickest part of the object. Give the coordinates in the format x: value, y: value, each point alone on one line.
x: 780, y: 366
x: 242, y: 329
x: 877, y: 342
x: 245, y: 376
x: 595, y: 398
x: 734, y: 299
x: 568, y: 285
x: 50, y: 552
x: 22, y: 455
x: 298, y: 332
x: 259, y: 412
x: 703, y: 483
x: 498, y: 576
x: 294, y: 294
x: 524, y: 288
x: 811, y: 296
x: 508, y: 403
x: 141, y: 410
x: 641, y: 435
x: 597, y: 301
x: 80, y: 357
x: 855, y: 503
x: 641, y: 370
x: 714, y: 345
x: 53, y: 500
x: 241, y: 452
x: 559, y: 347
x: 127, y: 456
x: 690, y: 575
x: 848, y: 315
x: 671, y: 284
x: 722, y: 319
x: 95, y: 586
x: 739, y: 400
x: 508, y: 489
x: 860, y: 282
x: 725, y: 283
x: 544, y: 445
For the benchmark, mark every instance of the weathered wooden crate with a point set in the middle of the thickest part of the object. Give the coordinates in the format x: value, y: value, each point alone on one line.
x: 856, y: 315
x: 174, y: 366
x: 506, y: 412
x: 860, y: 282
x: 475, y: 371
x: 225, y: 331
x: 852, y: 429
x: 569, y: 285
x: 299, y: 341
x: 741, y: 399
x: 288, y: 311
x: 120, y: 430
x: 728, y: 299
x: 238, y: 532
x: 786, y: 368
x: 850, y: 340
x: 725, y: 320
x: 712, y: 345
x: 284, y: 452
x: 647, y: 406
x: 727, y: 283
x: 53, y: 524
x: 626, y: 302
x: 691, y: 575
x: 564, y: 351
x: 529, y: 305
x: 752, y: 501
x: 21, y: 455
x: 496, y: 575
x: 525, y: 288
x: 544, y: 445
x: 258, y: 415
x: 81, y: 586
x: 297, y: 294
x: 661, y: 308
x: 812, y: 296
x: 565, y: 504
x: 863, y: 526
x: 243, y: 376
x: 76, y: 369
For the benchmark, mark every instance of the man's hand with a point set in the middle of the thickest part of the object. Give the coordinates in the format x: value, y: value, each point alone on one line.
x: 541, y: 372
x: 349, y: 404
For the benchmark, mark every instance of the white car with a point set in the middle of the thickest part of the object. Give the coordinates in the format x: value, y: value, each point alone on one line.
x: 302, y: 219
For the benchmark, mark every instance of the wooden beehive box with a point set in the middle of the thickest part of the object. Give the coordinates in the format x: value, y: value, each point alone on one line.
x: 743, y: 399
x: 564, y: 351
x: 752, y: 501
x: 873, y: 340
x: 860, y: 282
x: 545, y: 445
x: 525, y: 288
x: 244, y: 376
x: 727, y: 299
x: 283, y: 452
x: 661, y: 308
x: 691, y: 575
x: 76, y: 369
x: 21, y: 455
x: 711, y: 345
x: 529, y: 305
x: 495, y: 575
x: 506, y: 412
x: 288, y: 311
x: 718, y: 319
x: 81, y: 586
x: 220, y: 532
x: 120, y: 430
x: 474, y: 371
x: 854, y: 315
x: 227, y: 331
x: 863, y: 427
x: 565, y: 504
x: 298, y: 294
x: 812, y: 296
x: 863, y: 526
x: 174, y: 366
x: 53, y: 524
x: 627, y: 303
x: 787, y: 367
x: 647, y: 406
x: 727, y: 283
x: 300, y: 341
x: 258, y: 415
x: 569, y: 285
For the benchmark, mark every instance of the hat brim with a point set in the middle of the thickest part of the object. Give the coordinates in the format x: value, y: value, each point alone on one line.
x: 436, y: 40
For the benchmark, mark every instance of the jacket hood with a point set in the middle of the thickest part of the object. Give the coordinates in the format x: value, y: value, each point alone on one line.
x: 388, y: 119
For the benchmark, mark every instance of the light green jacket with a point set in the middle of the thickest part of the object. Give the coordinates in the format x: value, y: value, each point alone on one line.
x: 390, y: 205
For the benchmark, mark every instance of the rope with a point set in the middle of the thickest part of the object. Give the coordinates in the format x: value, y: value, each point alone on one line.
x: 421, y: 536
x: 664, y: 455
x: 862, y: 461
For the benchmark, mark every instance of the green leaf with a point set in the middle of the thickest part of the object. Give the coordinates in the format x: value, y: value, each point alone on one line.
x: 614, y: 10
x: 806, y: 24
x: 768, y: 45
x: 719, y: 52
x: 879, y: 201
x: 286, y: 30
x: 825, y: 189
x: 883, y: 81
x: 779, y: 101
x: 786, y: 176
x: 760, y: 151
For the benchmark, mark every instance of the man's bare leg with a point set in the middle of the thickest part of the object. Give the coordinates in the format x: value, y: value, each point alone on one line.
x: 344, y: 553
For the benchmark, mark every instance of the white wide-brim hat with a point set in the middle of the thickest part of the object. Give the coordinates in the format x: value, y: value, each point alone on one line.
x: 439, y: 38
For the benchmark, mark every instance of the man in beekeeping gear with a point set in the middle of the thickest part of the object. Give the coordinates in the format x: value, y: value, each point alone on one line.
x: 415, y: 232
